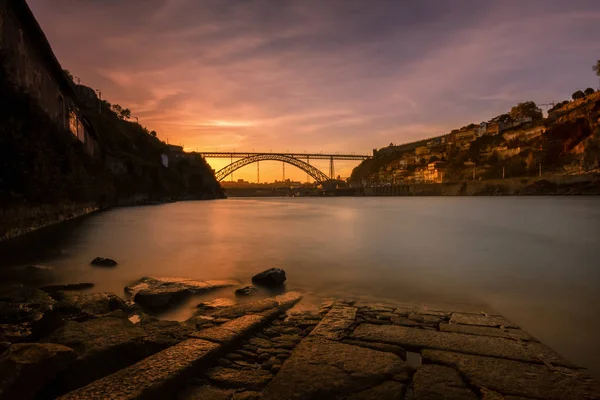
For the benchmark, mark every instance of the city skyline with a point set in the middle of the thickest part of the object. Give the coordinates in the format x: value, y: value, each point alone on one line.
x: 338, y: 76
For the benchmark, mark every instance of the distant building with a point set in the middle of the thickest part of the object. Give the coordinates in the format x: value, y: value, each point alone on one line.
x: 434, y: 172
x: 164, y: 160
x: 482, y: 129
x: 32, y: 65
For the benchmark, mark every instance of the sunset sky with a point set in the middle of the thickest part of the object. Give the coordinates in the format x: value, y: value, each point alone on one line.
x: 331, y: 76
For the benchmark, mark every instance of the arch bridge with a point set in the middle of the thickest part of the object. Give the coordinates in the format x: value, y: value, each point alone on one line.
x: 295, y: 159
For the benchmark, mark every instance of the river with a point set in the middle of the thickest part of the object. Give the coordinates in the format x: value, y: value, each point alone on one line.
x: 536, y: 260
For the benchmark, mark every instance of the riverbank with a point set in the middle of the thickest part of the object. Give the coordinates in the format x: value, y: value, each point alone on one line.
x: 79, y: 345
x: 21, y: 220
x: 561, y: 185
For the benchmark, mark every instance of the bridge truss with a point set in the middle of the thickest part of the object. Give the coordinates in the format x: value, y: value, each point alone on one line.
x: 296, y: 159
x: 315, y: 173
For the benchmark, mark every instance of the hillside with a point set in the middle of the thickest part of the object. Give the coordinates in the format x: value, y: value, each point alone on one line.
x: 507, y: 146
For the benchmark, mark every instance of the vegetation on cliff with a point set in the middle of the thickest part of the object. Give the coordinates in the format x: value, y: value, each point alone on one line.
x: 41, y: 163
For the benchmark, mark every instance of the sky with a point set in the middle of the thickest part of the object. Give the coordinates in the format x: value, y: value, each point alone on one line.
x: 321, y: 76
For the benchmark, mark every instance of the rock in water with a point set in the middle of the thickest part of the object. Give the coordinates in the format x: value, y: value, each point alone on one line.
x: 103, y: 262
x: 26, y: 368
x: 160, y: 293
x: 270, y: 277
x: 246, y: 291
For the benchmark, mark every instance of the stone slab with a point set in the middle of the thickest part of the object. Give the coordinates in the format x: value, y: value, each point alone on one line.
x: 513, y: 378
x: 153, y: 376
x: 335, y: 323
x: 515, y: 334
x: 432, y: 382
x: 205, y: 392
x: 321, y: 368
x: 390, y: 348
x: 481, y: 320
x: 217, y: 335
x: 417, y: 339
x: 388, y: 390
x: 239, y: 379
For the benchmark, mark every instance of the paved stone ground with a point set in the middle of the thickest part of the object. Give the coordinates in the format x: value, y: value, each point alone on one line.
x: 349, y: 350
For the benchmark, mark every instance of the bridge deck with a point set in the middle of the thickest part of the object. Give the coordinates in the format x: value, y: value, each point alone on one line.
x: 314, y: 156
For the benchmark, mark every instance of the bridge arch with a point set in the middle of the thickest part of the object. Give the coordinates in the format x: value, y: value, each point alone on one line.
x: 315, y: 173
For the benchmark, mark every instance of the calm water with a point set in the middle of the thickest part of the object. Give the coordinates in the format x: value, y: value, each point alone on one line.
x: 536, y: 260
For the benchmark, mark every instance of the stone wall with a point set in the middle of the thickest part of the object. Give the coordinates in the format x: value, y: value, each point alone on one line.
x: 17, y: 221
x: 28, y: 63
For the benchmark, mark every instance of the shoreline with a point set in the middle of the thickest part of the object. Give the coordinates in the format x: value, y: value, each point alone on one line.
x: 272, y: 348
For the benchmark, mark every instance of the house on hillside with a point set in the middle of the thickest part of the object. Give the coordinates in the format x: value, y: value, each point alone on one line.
x: 434, y: 172
x: 32, y: 65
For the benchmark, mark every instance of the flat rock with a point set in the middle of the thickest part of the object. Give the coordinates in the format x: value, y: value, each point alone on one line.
x: 26, y: 368
x: 515, y: 334
x: 157, y: 376
x: 433, y: 382
x: 239, y: 379
x: 67, y: 286
x: 321, y: 368
x: 103, y: 262
x: 162, y: 334
x: 241, y: 309
x: 233, y: 330
x: 103, y: 346
x: 481, y: 320
x: 246, y: 291
x: 205, y: 392
x: 159, y: 293
x: 416, y: 339
x: 335, y: 323
x: 513, y: 378
x: 217, y: 303
x: 388, y: 390
x: 390, y: 348
x: 271, y: 277
x: 81, y: 305
x: 246, y: 395
x: 20, y: 304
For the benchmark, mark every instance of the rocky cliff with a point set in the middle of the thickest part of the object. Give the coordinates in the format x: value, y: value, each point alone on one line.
x: 46, y: 174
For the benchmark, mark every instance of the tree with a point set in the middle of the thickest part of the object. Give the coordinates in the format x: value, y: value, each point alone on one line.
x: 589, y: 91
x: 69, y: 75
x: 596, y: 68
x: 122, y: 113
x: 526, y: 109
x: 153, y: 133
x: 578, y: 95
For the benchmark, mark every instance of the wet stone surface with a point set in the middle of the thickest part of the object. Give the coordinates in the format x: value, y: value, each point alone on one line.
x: 277, y: 348
x: 244, y: 372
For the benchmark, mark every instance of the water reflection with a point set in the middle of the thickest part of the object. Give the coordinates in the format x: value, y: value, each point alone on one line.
x: 532, y: 259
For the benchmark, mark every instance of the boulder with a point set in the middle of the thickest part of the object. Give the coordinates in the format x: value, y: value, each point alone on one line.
x: 24, y: 313
x: 246, y: 291
x: 103, y: 262
x: 26, y: 368
x: 82, y: 306
x: 160, y: 293
x: 20, y: 304
x: 271, y: 277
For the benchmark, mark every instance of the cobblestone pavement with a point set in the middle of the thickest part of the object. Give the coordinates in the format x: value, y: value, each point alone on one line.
x: 349, y: 350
